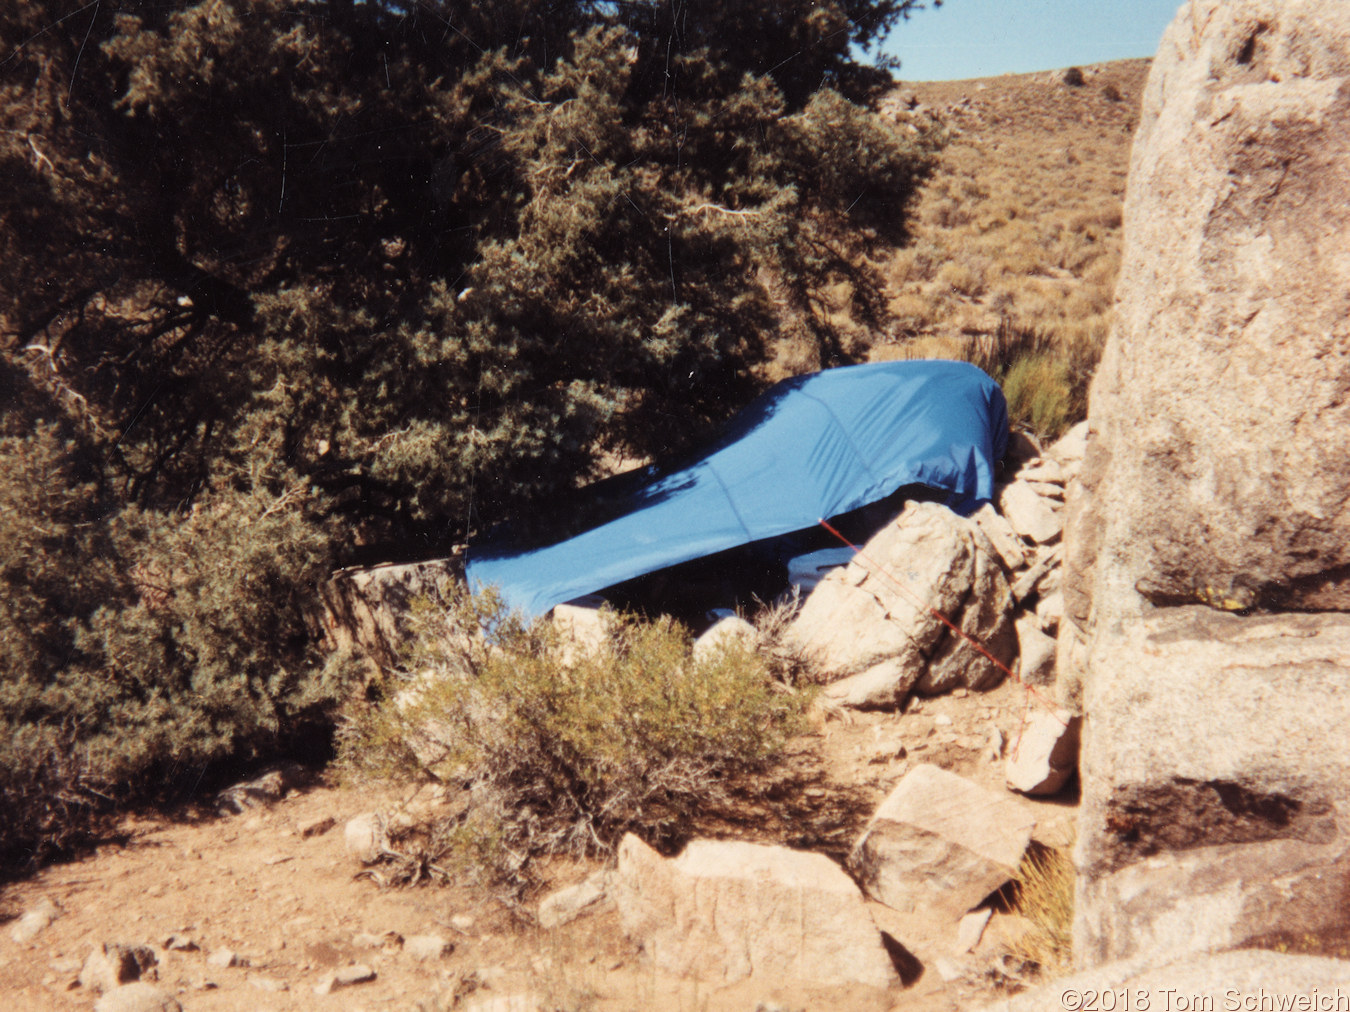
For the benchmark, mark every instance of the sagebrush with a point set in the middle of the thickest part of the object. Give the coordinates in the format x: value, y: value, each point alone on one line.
x: 561, y: 747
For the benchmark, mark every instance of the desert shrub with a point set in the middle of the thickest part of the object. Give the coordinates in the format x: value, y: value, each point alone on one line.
x: 142, y: 647
x: 286, y: 282
x: 1043, y: 893
x: 962, y: 278
x: 562, y: 748
x: 1038, y: 392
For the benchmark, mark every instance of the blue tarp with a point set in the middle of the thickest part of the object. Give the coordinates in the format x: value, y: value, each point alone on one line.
x: 811, y: 447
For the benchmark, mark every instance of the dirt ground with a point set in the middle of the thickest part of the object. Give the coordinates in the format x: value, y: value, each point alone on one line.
x: 295, y: 908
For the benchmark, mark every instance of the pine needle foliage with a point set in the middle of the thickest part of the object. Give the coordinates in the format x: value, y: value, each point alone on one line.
x: 561, y: 747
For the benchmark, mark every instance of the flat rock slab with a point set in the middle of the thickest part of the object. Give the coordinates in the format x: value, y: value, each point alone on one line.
x: 725, y: 910
x: 137, y: 997
x: 940, y: 844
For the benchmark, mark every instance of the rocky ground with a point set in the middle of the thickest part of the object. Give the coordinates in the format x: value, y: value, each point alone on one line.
x: 266, y: 909
x: 255, y: 911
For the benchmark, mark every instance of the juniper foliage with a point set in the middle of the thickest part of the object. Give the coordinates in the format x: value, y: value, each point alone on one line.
x: 288, y: 279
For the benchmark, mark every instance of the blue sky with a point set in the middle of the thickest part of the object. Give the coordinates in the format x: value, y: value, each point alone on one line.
x: 981, y: 38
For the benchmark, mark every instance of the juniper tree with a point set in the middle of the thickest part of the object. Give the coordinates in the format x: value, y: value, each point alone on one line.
x: 283, y: 279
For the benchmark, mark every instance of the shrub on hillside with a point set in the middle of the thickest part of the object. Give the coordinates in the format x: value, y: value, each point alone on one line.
x: 141, y: 647
x: 1038, y: 393
x: 286, y: 280
x: 562, y: 748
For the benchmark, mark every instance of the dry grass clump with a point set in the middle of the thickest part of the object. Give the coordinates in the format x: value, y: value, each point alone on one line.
x: 1043, y: 893
x: 555, y: 747
x: 1016, y: 243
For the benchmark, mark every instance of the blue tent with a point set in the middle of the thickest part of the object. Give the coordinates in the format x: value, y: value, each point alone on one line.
x: 810, y: 447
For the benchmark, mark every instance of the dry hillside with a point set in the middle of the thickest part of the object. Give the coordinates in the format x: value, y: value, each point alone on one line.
x: 1016, y: 243
x: 1012, y: 261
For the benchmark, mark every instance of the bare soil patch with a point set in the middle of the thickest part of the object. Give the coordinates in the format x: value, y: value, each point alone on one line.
x: 296, y: 908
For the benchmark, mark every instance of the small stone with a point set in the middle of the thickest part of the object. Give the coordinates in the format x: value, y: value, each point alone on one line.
x: 223, y: 959
x: 110, y: 965
x: 948, y: 969
x: 942, y: 720
x: 461, y: 922
x: 180, y: 943
x: 269, y: 984
x: 316, y: 827
x: 1055, y: 493
x: 137, y: 997
x: 1002, y: 536
x: 1045, y: 753
x: 1031, y: 515
x: 1044, y: 471
x: 389, y: 941
x: 971, y: 928
x: 1047, y: 561
x: 35, y: 920
x: 364, y: 837
x: 566, y: 905
x: 424, y: 947
x: 356, y: 973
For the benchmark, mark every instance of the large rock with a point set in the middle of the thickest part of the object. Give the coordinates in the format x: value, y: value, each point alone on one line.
x: 1232, y: 980
x: 724, y: 911
x: 1219, y: 465
x: 366, y: 608
x: 940, y: 844
x: 872, y: 624
x: 1216, y: 788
